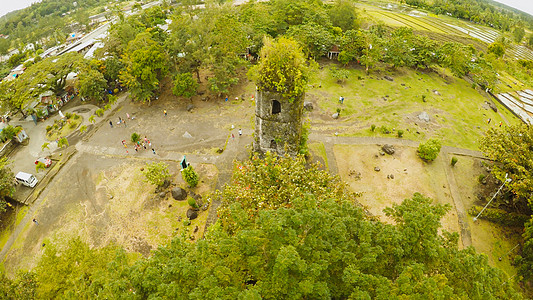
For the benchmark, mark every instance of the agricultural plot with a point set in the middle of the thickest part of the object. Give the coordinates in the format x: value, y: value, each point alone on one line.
x: 519, y: 102
x: 445, y: 27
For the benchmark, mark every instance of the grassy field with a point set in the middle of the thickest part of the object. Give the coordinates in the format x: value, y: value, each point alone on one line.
x: 458, y: 113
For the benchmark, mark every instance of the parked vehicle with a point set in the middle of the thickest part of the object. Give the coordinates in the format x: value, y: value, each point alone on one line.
x: 26, y: 179
x: 45, y: 160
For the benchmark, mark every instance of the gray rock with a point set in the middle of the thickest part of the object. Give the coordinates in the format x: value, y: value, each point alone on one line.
x: 424, y: 116
x: 391, y: 176
x: 493, y: 107
x: 190, y: 107
x: 179, y: 194
x: 389, y: 149
x: 436, y: 92
x: 381, y: 153
x: 308, y: 105
x: 187, y: 135
x: 335, y: 116
x: 205, y: 207
x: 377, y: 169
x: 162, y: 195
x: 192, y: 214
x: 195, y: 229
x: 388, y: 78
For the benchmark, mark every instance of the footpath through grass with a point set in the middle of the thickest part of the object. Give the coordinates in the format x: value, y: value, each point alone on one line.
x: 458, y: 112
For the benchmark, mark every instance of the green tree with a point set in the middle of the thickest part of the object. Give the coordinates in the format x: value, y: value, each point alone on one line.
x: 91, y: 84
x: 353, y: 44
x: 497, y: 49
x: 341, y: 75
x: 316, y: 40
x: 145, y: 64
x: 429, y: 150
x: 7, y: 182
x: 342, y: 14
x: 184, y: 85
x: 63, y: 142
x: 518, y: 34
x: 156, y: 173
x: 282, y: 68
x: 9, y: 132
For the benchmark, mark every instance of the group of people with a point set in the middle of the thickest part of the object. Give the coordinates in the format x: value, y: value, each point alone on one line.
x: 140, y: 145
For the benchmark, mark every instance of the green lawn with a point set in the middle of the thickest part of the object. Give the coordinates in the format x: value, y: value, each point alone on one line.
x: 457, y: 113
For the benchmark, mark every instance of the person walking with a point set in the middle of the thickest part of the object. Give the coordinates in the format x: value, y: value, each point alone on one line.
x: 35, y: 221
x: 128, y: 116
x: 111, y: 124
x: 240, y: 132
x: 153, y: 151
x: 165, y: 111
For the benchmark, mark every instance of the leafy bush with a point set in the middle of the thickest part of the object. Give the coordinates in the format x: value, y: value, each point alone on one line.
x: 192, y: 202
x: 156, y: 173
x: 39, y: 166
x: 8, y: 133
x: 373, y: 127
x: 48, y: 128
x: 480, y: 178
x: 99, y: 112
x: 83, y: 128
x: 400, y: 133
x: 190, y: 176
x: 63, y: 142
x: 68, y: 115
x: 429, y: 150
x: 135, y: 137
x: 75, y: 116
x: 383, y: 129
x: 91, y: 119
x: 454, y: 161
x: 72, y: 125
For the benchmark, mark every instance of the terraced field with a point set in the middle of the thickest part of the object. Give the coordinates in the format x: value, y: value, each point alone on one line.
x: 444, y: 28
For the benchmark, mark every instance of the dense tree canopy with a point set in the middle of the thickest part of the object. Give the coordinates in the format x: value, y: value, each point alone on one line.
x: 313, y: 241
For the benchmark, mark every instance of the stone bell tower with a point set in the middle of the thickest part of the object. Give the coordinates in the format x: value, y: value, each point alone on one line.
x: 278, y: 123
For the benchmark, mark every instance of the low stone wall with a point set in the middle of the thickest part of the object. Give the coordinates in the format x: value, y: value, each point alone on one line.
x: 8, y: 148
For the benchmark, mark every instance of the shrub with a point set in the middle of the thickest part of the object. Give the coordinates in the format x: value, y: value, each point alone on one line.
x: 372, y: 127
x: 400, y: 133
x: 39, y: 166
x: 429, y: 150
x: 9, y: 132
x: 186, y: 222
x: 91, y: 119
x: 156, y: 173
x: 111, y: 99
x: 480, y: 178
x: 338, y: 110
x: 135, y: 137
x: 99, y: 112
x: 68, y: 115
x: 384, y: 129
x: 192, y: 202
x: 107, y: 107
x: 75, y: 116
x: 48, y: 128
x: 190, y: 176
x: 83, y: 128
x: 454, y: 161
x: 72, y: 125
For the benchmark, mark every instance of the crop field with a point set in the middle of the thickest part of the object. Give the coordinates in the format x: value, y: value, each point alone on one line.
x: 444, y: 28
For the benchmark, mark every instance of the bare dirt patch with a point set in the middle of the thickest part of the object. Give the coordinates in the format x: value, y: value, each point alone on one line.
x: 410, y: 173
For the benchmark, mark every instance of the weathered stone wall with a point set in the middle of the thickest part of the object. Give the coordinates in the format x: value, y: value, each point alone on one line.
x: 285, y: 127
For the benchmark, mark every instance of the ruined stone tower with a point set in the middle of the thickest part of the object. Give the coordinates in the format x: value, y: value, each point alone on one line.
x: 278, y: 123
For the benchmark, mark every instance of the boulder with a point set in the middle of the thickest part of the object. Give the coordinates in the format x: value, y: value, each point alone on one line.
x: 391, y: 176
x: 308, y: 105
x: 187, y: 135
x: 179, y: 194
x: 205, y: 207
x: 377, y: 169
x: 192, y: 214
x: 389, y: 149
x: 199, y: 202
x: 388, y: 78
x: 424, y: 116
x: 335, y: 116
x: 162, y: 195
x: 190, y: 107
x: 436, y: 92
